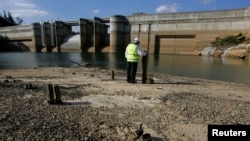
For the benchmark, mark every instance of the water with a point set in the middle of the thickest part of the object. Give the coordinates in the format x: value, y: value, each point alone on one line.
x: 232, y: 70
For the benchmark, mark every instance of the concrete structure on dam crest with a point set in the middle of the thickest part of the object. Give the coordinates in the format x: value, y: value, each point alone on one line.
x: 178, y: 33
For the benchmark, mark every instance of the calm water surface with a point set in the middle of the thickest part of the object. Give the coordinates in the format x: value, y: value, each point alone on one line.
x: 232, y: 70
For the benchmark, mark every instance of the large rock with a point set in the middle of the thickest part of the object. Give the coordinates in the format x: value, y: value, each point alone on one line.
x: 240, y: 51
x: 207, y: 51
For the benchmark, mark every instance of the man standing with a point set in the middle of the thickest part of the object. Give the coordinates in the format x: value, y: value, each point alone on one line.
x: 132, y: 53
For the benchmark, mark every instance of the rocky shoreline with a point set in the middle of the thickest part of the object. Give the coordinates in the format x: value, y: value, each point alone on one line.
x: 97, y: 107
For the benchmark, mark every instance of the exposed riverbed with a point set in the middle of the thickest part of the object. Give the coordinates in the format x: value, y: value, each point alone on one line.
x: 96, y: 107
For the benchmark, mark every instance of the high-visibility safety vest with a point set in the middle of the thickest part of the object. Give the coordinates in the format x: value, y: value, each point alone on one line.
x: 131, y: 52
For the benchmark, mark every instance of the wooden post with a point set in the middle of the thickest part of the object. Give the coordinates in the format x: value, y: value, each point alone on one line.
x: 145, y: 58
x: 50, y: 94
x: 28, y: 86
x: 112, y: 74
x: 57, y: 94
x: 144, y: 68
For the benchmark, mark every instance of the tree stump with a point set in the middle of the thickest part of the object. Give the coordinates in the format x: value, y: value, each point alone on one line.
x: 53, y: 94
x: 50, y: 93
x: 112, y: 74
x: 57, y: 94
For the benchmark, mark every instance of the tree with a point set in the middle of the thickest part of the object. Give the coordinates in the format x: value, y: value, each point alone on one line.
x: 7, y: 20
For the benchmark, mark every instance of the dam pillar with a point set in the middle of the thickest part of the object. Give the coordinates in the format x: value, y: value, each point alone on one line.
x: 83, y: 35
x: 47, y: 35
x: 36, y: 37
x: 89, y: 35
x: 61, y: 30
x: 97, y: 34
x: 43, y: 37
x: 119, y: 33
x: 103, y: 34
x: 52, y: 35
x: 58, y: 35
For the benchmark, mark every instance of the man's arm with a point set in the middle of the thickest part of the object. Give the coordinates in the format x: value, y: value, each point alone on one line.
x: 141, y: 52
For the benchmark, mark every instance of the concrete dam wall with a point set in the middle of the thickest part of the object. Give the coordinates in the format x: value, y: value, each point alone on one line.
x: 187, y: 32
x: 27, y: 35
x: 178, y: 33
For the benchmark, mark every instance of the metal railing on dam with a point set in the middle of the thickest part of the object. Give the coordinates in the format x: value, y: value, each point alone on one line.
x: 178, y: 33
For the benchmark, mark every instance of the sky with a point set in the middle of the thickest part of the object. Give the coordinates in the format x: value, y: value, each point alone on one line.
x: 66, y: 10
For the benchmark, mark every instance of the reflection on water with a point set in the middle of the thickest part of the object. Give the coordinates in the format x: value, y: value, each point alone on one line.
x: 233, y: 70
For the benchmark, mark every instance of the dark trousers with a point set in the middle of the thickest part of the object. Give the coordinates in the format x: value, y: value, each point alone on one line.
x: 131, y: 71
